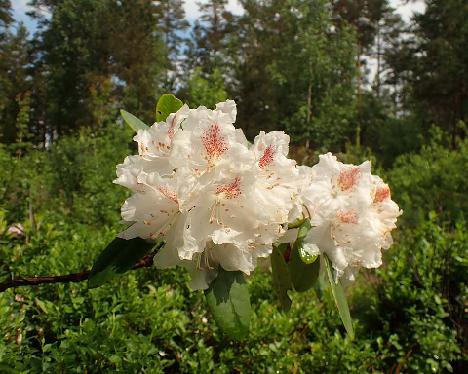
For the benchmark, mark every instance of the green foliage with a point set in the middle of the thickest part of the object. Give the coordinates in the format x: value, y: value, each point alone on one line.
x: 173, y: 24
x: 132, y: 121
x: 206, y: 91
x: 433, y: 63
x: 303, y: 270
x: 339, y: 297
x: 148, y: 321
x: 229, y: 301
x: 212, y: 34
x: 117, y: 258
x: 14, y: 84
x: 281, y: 277
x: 166, y: 105
x: 292, y: 268
x: 301, y: 79
x: 420, y: 297
x: 387, y: 136
x: 97, y: 56
x: 74, y: 176
x: 291, y: 65
x: 432, y: 180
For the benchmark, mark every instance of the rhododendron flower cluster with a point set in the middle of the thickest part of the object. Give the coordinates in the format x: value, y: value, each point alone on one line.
x: 351, y: 214
x: 217, y: 200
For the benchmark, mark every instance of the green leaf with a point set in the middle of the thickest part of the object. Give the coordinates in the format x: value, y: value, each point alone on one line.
x: 304, y: 272
x: 281, y: 277
x: 41, y: 305
x: 229, y: 301
x: 340, y: 299
x: 135, y: 123
x: 305, y: 256
x: 119, y: 256
x: 297, y: 223
x: 166, y: 105
x: 304, y: 228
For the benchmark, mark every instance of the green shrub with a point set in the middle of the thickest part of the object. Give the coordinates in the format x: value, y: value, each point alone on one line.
x: 432, y: 180
x: 418, y: 304
x: 408, y: 315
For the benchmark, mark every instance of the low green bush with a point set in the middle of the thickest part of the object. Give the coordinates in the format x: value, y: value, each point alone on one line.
x: 432, y: 180
x: 408, y: 315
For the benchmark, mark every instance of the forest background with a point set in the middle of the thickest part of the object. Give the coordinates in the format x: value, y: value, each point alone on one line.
x: 351, y: 77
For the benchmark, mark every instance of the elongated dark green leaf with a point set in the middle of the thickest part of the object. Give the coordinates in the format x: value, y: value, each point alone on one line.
x: 303, y: 276
x: 117, y: 258
x: 281, y: 277
x: 166, y: 105
x: 132, y: 121
x: 229, y: 301
x: 340, y: 299
x: 304, y: 273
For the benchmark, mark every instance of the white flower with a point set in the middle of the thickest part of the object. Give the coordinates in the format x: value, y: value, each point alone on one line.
x: 215, y: 199
x: 155, y: 207
x: 229, y: 107
x: 208, y: 138
x: 351, y: 214
x: 334, y: 184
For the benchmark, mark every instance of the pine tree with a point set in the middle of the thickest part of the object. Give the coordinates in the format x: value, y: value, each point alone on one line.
x: 210, y: 36
x: 173, y: 25
x: 298, y: 72
x: 14, y: 80
x: 432, y: 66
x: 97, y: 51
x: 5, y: 18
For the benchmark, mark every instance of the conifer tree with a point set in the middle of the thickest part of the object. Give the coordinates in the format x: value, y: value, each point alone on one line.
x: 210, y: 36
x: 14, y: 80
x: 298, y: 72
x: 173, y: 26
x: 432, y: 66
x: 94, y: 52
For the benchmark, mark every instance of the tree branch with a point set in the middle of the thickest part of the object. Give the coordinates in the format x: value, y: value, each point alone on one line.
x: 145, y: 262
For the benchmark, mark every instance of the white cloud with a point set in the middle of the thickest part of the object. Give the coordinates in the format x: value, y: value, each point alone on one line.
x: 406, y: 9
x: 192, y: 13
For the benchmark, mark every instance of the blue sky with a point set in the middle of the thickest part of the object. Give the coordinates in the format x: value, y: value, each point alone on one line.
x: 20, y: 8
x: 19, y: 13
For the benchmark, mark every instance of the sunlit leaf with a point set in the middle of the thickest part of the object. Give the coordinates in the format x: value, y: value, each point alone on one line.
x: 340, y: 298
x: 306, y: 256
x: 132, y: 121
x: 41, y: 305
x: 166, y: 105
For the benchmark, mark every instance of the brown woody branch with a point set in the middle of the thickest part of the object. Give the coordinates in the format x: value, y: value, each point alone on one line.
x: 145, y: 262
